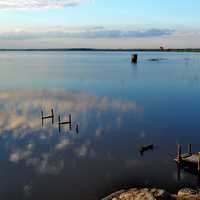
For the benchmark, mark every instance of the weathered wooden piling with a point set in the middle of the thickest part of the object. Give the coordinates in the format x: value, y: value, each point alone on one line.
x: 65, y: 122
x: 134, y: 58
x: 189, y: 159
x: 47, y: 117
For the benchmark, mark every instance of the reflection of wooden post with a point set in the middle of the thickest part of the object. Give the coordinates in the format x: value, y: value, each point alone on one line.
x: 47, y: 117
x: 59, y: 123
x: 178, y: 172
x: 42, y: 114
x: 190, y: 149
x: 52, y: 114
x: 63, y: 123
x: 198, y: 161
x: 70, y: 122
x: 179, y: 153
x: 77, y: 128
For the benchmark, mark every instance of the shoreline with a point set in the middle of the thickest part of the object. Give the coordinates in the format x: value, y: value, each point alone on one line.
x: 107, y: 50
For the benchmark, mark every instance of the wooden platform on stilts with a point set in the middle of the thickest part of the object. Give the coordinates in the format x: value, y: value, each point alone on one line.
x: 190, y: 159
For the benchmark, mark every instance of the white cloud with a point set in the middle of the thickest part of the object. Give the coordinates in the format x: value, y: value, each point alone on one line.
x: 19, y: 155
x: 62, y: 144
x: 82, y: 150
x: 98, y: 132
x: 45, y: 165
x: 25, y: 106
x: 37, y: 4
x: 83, y: 33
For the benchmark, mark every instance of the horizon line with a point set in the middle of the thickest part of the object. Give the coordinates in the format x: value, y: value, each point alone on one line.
x: 101, y: 49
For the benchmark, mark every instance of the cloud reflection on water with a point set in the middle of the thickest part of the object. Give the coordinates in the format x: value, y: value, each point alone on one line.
x: 39, y: 147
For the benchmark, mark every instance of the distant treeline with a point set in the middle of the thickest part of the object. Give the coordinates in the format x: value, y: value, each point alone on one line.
x: 91, y: 49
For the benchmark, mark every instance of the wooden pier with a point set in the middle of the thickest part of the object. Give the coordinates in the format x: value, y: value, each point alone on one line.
x: 190, y: 159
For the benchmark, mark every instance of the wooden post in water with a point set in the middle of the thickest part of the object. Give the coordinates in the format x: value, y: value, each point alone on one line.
x: 198, y: 161
x: 134, y: 58
x: 190, y: 149
x: 179, y: 153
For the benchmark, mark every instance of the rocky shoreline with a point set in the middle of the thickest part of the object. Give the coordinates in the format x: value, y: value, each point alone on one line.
x: 154, y: 194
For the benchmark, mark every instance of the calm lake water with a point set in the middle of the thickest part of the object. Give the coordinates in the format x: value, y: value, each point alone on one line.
x: 118, y: 106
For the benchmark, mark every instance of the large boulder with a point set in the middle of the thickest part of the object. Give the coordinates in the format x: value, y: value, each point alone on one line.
x: 140, y: 194
x: 188, y: 194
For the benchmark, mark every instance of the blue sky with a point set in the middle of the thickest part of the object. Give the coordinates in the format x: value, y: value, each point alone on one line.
x: 100, y: 23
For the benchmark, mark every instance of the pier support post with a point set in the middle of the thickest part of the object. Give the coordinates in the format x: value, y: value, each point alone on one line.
x: 134, y: 58
x: 190, y: 149
x: 179, y: 153
x: 198, y: 161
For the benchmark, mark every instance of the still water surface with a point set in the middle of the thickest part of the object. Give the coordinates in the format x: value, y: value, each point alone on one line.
x: 118, y: 106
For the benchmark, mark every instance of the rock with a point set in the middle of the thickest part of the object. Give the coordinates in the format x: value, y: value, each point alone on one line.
x: 113, y: 195
x: 188, y: 194
x: 187, y: 191
x: 140, y: 194
x: 160, y: 194
x: 154, y: 194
